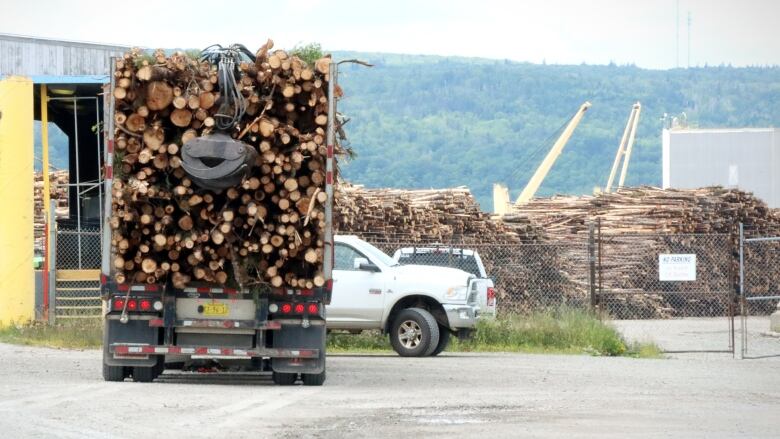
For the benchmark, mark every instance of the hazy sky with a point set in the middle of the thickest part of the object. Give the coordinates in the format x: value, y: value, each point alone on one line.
x: 740, y: 32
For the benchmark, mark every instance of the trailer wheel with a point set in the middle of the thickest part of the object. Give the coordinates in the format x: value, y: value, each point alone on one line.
x: 414, y: 333
x: 313, y: 379
x: 444, y: 341
x: 144, y: 374
x: 113, y: 373
x: 284, y: 379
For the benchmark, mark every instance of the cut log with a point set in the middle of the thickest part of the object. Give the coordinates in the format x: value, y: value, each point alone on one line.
x: 158, y: 95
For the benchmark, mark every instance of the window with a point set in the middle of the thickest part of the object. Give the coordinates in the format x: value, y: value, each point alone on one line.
x: 345, y: 257
x: 467, y: 263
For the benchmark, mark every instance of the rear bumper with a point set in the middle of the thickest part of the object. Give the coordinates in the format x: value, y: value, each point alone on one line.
x: 130, y: 350
x: 461, y: 316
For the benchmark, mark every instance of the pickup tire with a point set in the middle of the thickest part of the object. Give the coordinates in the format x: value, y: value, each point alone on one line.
x: 414, y: 333
x: 444, y: 341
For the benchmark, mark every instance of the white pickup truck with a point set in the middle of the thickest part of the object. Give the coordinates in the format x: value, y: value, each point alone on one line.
x: 418, y: 306
x: 463, y: 259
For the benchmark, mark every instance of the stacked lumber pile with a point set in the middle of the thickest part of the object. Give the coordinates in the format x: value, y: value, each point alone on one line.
x: 412, y: 216
x: 267, y: 230
x: 635, y: 225
x: 647, y: 210
x: 58, y: 187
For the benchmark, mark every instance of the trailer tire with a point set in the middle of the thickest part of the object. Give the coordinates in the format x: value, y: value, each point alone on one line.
x: 314, y: 379
x: 414, y: 333
x: 113, y: 373
x: 144, y: 374
x: 284, y: 379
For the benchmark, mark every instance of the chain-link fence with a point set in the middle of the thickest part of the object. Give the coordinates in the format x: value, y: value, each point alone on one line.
x: 78, y: 249
x: 77, y: 281
x: 663, y: 276
x: 620, y: 275
x: 760, y: 293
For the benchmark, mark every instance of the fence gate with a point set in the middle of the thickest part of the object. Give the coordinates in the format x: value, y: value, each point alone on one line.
x: 77, y: 273
x: 759, y: 267
x: 682, y: 287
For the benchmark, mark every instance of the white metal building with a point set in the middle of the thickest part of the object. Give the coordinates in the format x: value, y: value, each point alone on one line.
x: 744, y: 158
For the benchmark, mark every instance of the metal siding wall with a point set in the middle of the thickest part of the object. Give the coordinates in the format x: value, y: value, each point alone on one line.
x: 699, y: 158
x: 27, y: 56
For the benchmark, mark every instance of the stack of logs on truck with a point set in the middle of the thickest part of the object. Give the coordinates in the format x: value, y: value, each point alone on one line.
x: 164, y: 225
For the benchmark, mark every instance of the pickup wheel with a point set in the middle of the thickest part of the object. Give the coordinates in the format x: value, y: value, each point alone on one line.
x: 284, y: 379
x: 414, y: 333
x: 444, y: 341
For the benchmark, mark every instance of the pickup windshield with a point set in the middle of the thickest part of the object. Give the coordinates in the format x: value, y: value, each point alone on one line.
x: 466, y: 263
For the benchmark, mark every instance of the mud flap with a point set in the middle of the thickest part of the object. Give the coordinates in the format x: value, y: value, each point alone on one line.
x: 297, y: 337
x: 134, y: 331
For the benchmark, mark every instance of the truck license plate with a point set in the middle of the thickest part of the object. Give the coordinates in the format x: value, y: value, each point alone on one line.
x: 215, y: 309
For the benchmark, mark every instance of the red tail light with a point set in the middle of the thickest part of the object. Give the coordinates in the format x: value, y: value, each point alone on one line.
x: 119, y: 304
x: 299, y: 308
x: 313, y: 308
x: 491, y: 295
x: 132, y: 305
x: 286, y: 308
x: 145, y: 305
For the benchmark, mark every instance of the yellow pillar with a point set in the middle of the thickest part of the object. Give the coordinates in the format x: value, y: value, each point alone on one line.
x: 17, y: 289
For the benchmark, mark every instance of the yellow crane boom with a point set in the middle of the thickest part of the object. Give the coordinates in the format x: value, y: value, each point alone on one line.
x: 624, y: 149
x: 501, y: 203
x: 541, y: 172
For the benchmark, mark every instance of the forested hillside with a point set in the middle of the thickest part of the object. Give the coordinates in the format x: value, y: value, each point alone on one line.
x: 423, y: 121
x: 433, y: 122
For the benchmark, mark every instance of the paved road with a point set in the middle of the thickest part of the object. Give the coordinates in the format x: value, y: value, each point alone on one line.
x: 59, y: 393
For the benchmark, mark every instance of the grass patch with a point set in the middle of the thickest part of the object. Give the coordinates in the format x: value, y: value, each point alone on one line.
x: 71, y: 334
x: 564, y: 331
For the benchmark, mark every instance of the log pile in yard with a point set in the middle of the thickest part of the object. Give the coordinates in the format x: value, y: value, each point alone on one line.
x: 644, y: 210
x: 58, y: 185
x: 267, y: 229
x: 410, y: 216
x: 637, y: 224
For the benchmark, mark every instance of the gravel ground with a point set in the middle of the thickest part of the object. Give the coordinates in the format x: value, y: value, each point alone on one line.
x: 691, y: 337
x: 59, y: 393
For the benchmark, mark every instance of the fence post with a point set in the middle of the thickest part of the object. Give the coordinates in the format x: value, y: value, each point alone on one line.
x: 592, y: 265
x: 52, y: 256
x: 743, y: 317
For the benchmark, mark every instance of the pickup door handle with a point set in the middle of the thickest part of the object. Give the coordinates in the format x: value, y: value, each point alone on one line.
x: 375, y: 291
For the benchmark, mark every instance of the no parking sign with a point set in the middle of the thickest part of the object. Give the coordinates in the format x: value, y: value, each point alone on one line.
x: 677, y: 267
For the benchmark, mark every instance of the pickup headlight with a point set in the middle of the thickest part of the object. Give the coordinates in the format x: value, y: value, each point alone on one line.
x: 459, y: 292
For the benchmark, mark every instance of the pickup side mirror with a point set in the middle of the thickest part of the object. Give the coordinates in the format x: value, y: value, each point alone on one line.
x: 363, y: 264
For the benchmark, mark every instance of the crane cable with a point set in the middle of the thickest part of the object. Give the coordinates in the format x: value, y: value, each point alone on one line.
x: 533, y: 155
